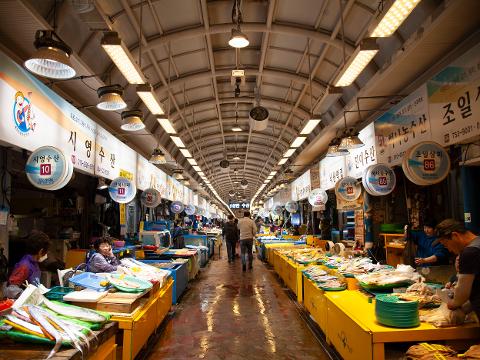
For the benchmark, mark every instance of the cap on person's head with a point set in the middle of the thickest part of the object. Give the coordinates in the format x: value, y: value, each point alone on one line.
x: 429, y: 222
x: 246, y: 214
x: 445, y: 229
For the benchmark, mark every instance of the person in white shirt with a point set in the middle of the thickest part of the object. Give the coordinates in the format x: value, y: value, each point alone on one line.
x: 248, y: 230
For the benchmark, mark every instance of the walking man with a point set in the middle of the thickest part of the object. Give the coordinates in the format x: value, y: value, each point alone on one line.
x: 248, y: 230
x: 230, y: 234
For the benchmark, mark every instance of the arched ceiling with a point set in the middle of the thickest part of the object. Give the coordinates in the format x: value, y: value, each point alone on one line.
x: 185, y: 56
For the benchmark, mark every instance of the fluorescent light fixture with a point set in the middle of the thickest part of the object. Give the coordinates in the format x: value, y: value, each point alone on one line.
x: 122, y: 58
x: 266, y: 181
x: 282, y: 161
x: 273, y: 173
x: 236, y: 157
x: 197, y: 168
x: 201, y: 174
x: 51, y: 58
x: 186, y: 153
x: 298, y: 141
x: 146, y: 93
x: 166, y: 125
x: 359, y: 60
x: 177, y: 141
x: 289, y: 153
x: 309, y: 126
x: 237, y: 129
x: 394, y: 17
x: 238, y: 39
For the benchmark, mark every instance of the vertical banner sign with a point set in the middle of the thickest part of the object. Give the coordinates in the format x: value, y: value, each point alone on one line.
x: 359, y: 159
x: 301, y: 187
x: 332, y: 169
x: 454, y: 100
x: 403, y: 126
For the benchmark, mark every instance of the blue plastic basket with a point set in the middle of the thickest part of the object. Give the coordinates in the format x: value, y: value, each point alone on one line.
x: 89, y: 280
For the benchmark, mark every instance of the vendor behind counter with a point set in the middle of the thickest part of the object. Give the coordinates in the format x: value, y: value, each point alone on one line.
x: 102, y: 260
x: 28, y: 268
x: 429, y: 251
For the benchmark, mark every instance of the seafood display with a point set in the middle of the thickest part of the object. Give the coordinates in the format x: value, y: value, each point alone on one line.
x: 54, y: 322
x: 425, y: 295
x: 144, y: 271
x: 325, y: 279
x: 403, y: 275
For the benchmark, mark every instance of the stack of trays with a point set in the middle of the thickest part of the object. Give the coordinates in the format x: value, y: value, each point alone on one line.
x: 390, y: 311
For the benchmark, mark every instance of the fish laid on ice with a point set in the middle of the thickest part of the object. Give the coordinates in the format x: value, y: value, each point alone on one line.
x: 75, y: 311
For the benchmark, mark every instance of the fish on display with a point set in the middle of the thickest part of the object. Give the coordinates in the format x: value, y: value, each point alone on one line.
x: 38, y: 316
x: 75, y: 312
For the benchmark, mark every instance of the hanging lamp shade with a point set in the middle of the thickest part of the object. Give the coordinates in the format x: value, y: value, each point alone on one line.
x: 158, y: 157
x: 350, y: 140
x: 238, y: 39
x: 51, y: 58
x: 178, y: 175
x: 334, y: 150
x: 231, y: 193
x: 132, y: 120
x: 186, y: 182
x: 244, y: 183
x: 110, y: 98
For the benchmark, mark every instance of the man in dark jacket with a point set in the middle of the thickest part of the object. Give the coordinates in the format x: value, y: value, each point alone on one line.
x: 230, y: 234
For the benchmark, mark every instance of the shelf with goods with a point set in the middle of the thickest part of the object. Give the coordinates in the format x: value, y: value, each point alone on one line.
x: 394, y: 246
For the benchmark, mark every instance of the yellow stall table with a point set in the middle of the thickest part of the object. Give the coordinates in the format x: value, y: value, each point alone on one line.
x: 291, y: 274
x: 315, y: 302
x: 353, y: 331
x: 138, y: 326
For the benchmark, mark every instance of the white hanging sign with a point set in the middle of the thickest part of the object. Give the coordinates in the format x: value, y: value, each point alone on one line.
x: 150, y: 198
x: 454, y: 100
x: 359, y: 159
x: 379, y: 180
x: 301, y: 187
x: 122, y: 190
x: 332, y: 169
x: 403, y: 126
x: 348, y: 189
x: 47, y: 168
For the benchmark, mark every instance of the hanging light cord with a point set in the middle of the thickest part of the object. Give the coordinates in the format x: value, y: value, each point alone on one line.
x: 310, y: 79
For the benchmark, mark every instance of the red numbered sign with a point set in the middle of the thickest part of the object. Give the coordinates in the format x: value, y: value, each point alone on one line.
x: 121, y: 191
x: 429, y: 164
x: 149, y: 197
x: 382, y: 181
x: 349, y: 190
x: 45, y: 169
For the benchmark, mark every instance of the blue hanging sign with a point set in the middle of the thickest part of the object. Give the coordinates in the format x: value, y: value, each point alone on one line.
x: 122, y: 190
x: 47, y: 168
x: 348, y: 189
x: 379, y: 180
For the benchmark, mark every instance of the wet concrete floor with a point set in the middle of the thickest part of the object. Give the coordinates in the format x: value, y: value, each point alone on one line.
x: 228, y: 314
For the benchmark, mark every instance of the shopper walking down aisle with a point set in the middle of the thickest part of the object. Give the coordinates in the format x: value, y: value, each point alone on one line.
x: 230, y: 234
x: 248, y: 230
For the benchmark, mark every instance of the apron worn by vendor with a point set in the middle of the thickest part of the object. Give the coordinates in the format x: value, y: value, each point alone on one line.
x: 469, y: 264
x: 26, y: 269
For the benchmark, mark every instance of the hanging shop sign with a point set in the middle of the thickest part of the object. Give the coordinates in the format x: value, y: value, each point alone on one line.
x: 150, y: 176
x: 277, y: 210
x: 32, y: 113
x: 317, y: 197
x: 47, y: 168
x: 379, y: 180
x: 176, y: 207
x: 348, y: 189
x: 359, y: 159
x: 190, y: 210
x: 283, y: 196
x: 332, y: 169
x: 291, y: 207
x: 195, y: 199
x: 242, y: 205
x: 112, y: 156
x: 404, y: 125
x: 426, y: 163
x: 151, y: 198
x: 269, y: 204
x: 454, y: 99
x: 122, y: 190
x: 301, y: 187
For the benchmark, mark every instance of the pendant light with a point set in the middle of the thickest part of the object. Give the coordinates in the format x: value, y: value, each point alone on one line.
x: 236, y: 128
x: 334, y: 150
x: 51, y: 58
x: 178, y: 174
x: 158, y: 157
x: 132, y: 120
x: 244, y: 183
x: 231, y: 193
x: 238, y: 39
x: 110, y: 98
x: 350, y: 139
x: 186, y: 182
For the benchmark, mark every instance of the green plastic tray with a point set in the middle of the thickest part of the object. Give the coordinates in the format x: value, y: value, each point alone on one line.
x: 144, y: 285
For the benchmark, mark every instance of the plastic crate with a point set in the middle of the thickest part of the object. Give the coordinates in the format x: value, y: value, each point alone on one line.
x: 58, y: 292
